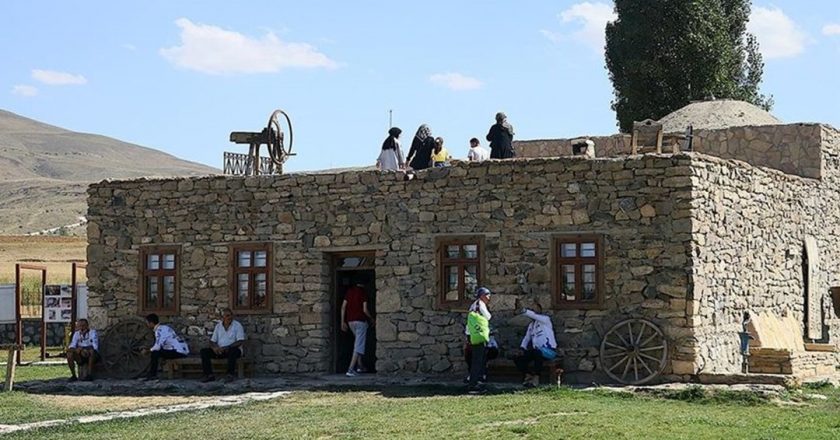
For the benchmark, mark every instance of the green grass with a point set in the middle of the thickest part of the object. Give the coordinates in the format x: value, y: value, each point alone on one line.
x: 440, y: 413
x: 19, y: 407
x: 25, y: 373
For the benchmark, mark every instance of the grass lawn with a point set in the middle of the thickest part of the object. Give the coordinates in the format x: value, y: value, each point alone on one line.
x: 442, y: 413
x: 24, y: 373
x: 18, y: 407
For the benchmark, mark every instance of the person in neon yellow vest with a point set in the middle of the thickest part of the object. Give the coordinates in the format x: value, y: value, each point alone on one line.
x: 479, y: 364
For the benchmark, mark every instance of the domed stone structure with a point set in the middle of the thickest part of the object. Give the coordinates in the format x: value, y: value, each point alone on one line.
x: 713, y: 115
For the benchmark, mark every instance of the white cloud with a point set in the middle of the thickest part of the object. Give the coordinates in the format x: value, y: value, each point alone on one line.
x: 129, y: 47
x: 456, y: 81
x: 831, y: 29
x: 593, y: 18
x: 54, y: 78
x: 213, y: 50
x: 778, y: 35
x: 554, y: 37
x: 24, y: 90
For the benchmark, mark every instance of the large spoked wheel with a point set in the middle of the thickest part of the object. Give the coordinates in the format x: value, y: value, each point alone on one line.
x: 634, y: 351
x: 122, y: 348
x: 278, y: 149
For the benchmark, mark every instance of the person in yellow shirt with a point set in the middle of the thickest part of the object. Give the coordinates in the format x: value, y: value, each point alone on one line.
x: 439, y: 155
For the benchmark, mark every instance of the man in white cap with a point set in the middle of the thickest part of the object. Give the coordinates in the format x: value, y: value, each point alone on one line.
x: 479, y: 351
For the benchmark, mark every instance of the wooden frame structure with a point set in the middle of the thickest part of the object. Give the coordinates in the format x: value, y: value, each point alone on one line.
x: 160, y: 273
x: 252, y: 271
x: 367, y: 262
x: 19, y: 326
x: 557, y: 261
x: 74, y: 294
x: 13, y: 360
x: 461, y: 262
x: 646, y: 129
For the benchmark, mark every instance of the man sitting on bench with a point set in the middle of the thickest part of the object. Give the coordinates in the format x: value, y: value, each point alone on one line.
x: 537, y: 345
x: 225, y: 343
x: 83, y: 348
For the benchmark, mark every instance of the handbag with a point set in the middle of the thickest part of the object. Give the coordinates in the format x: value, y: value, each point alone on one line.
x: 548, y: 353
x: 479, y: 328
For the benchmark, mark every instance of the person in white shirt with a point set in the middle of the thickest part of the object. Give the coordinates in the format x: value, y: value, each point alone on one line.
x: 540, y: 334
x: 83, y: 348
x: 225, y: 343
x: 477, y: 152
x: 168, y: 345
x: 478, y: 354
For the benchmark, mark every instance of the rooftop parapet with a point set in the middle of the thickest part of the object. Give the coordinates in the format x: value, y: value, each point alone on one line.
x: 792, y: 148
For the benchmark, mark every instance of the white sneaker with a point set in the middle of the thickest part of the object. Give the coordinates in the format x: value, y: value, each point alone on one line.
x: 351, y: 373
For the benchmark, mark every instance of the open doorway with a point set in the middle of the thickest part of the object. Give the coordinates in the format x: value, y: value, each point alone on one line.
x: 350, y: 270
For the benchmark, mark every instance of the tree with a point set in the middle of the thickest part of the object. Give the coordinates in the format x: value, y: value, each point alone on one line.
x: 663, y: 54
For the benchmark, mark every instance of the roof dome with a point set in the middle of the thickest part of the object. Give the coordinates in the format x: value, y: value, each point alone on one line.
x: 713, y: 115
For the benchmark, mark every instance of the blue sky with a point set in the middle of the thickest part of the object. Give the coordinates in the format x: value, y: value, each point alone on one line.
x: 180, y: 75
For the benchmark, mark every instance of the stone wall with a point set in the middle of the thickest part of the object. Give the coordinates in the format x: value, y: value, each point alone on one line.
x: 32, y: 333
x: 605, y: 146
x: 749, y: 229
x: 640, y: 205
x: 793, y: 148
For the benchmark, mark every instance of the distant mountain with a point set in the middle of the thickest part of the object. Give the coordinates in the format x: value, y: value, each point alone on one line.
x: 45, y: 170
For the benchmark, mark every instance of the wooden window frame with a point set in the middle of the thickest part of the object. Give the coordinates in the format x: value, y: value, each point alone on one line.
x: 235, y: 271
x: 557, y: 262
x: 160, y: 273
x: 443, y: 262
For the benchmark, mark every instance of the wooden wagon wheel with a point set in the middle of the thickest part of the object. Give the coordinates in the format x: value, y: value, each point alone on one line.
x: 634, y: 351
x: 121, y: 348
x: 278, y: 149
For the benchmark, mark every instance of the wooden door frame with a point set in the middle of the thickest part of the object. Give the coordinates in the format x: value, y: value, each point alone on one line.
x: 334, y: 272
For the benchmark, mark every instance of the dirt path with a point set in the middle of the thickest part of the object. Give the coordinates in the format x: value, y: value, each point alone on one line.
x: 220, y: 402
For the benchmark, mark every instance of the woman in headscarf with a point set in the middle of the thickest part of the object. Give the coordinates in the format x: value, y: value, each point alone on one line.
x: 391, y: 157
x: 420, y: 154
x: 501, y: 138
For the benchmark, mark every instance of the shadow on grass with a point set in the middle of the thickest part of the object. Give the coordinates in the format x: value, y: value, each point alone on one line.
x: 130, y: 388
x: 425, y: 390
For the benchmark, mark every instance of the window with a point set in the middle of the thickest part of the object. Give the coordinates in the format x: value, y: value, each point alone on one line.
x: 460, y: 269
x: 251, y: 277
x: 578, y: 271
x: 159, y: 287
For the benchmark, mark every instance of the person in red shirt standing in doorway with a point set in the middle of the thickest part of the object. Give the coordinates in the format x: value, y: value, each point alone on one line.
x: 355, y: 317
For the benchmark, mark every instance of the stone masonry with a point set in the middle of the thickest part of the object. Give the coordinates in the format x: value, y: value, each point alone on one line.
x: 691, y: 241
x: 793, y: 148
x: 641, y: 207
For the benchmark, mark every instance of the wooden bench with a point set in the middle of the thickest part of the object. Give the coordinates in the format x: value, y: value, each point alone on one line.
x: 505, y: 368
x: 191, y: 366
x: 10, y: 365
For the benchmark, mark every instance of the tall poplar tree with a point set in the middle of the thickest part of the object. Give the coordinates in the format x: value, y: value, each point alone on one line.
x: 663, y: 54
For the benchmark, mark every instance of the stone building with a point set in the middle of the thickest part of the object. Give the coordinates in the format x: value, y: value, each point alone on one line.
x: 747, y: 222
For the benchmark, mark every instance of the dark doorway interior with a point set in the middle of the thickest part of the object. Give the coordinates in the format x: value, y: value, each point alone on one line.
x: 348, y: 271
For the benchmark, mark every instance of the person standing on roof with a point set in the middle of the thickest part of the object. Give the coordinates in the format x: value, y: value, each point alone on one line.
x: 477, y: 153
x: 501, y: 138
x: 391, y: 157
x: 420, y: 154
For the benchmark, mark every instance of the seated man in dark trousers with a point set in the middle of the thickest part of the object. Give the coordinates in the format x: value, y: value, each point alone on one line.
x: 168, y: 345
x: 225, y: 343
x: 83, y: 348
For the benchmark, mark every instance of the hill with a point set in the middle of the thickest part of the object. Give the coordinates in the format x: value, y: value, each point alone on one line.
x: 46, y: 170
